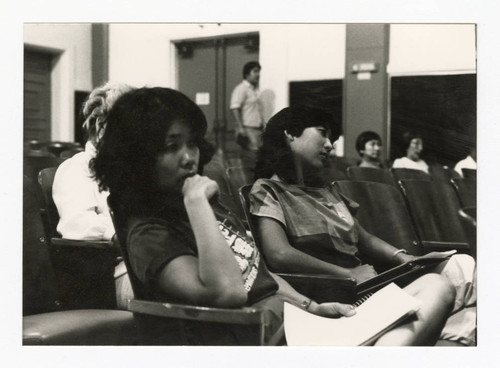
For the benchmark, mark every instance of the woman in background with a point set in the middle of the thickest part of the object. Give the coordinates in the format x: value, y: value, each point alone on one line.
x: 414, y: 146
x: 82, y: 207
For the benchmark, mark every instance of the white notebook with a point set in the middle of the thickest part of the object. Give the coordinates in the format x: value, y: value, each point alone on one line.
x: 379, y: 313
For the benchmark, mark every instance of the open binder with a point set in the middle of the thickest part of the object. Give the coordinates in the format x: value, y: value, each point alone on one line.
x: 404, y: 273
x: 379, y: 313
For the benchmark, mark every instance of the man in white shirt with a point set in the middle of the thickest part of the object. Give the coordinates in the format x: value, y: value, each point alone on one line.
x: 246, y: 106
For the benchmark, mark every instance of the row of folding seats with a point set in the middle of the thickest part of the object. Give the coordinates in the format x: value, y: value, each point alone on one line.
x: 69, y: 294
x: 431, y: 207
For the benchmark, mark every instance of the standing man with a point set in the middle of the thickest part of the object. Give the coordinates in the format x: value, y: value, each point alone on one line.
x: 246, y: 106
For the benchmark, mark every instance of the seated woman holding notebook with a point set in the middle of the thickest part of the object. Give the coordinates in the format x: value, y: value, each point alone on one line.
x: 183, y: 245
x: 305, y: 227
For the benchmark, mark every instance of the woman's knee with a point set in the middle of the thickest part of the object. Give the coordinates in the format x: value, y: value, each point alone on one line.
x: 441, y: 286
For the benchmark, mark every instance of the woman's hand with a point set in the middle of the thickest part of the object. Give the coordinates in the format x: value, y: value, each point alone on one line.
x: 332, y: 310
x: 403, y: 258
x: 197, y: 187
x: 363, y: 273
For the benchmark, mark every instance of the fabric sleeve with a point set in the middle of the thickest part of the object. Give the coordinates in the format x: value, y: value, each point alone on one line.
x: 264, y: 202
x: 237, y: 97
x: 397, y: 164
x: 83, y: 212
x: 151, y: 246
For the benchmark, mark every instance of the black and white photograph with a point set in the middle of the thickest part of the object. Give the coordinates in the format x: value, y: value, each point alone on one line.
x: 304, y: 191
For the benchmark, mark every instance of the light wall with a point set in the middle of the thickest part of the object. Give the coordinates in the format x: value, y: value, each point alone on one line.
x: 432, y: 49
x: 143, y: 54
x: 71, y: 70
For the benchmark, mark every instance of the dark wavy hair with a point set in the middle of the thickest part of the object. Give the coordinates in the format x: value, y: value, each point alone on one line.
x: 275, y: 155
x: 135, y: 134
x: 247, y: 68
x: 366, y: 137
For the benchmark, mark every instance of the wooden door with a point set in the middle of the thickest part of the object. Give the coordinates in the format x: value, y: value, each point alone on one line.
x: 37, y: 90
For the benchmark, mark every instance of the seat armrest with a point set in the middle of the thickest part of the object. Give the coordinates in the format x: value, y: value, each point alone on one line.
x: 80, y: 327
x: 99, y: 244
x: 323, y: 288
x: 106, y: 246
x: 246, y: 315
x: 442, y: 246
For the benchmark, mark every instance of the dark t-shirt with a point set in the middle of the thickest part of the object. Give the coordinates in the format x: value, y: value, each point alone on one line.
x: 154, y: 241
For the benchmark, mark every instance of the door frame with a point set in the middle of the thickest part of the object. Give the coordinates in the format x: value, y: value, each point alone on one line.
x: 62, y: 79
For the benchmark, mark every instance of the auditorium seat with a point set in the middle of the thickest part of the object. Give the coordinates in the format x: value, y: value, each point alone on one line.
x: 370, y: 174
x: 165, y: 323
x: 46, y: 318
x: 466, y: 191
x: 56, y: 147
x: 469, y: 173
x: 84, y: 268
x: 383, y: 213
x: 70, y: 152
x: 218, y: 174
x: 469, y: 221
x: 440, y: 172
x: 404, y: 174
x: 433, y: 207
x: 238, y: 177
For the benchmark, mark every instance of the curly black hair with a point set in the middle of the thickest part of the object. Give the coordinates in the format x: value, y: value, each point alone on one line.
x: 134, y: 137
x: 275, y: 155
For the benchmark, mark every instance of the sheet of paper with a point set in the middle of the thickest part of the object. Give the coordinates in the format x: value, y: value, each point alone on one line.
x: 382, y: 309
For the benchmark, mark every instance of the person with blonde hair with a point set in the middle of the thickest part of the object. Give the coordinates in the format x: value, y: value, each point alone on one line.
x: 82, y: 207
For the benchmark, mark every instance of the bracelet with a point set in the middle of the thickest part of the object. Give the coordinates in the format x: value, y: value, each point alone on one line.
x: 399, y: 251
x: 306, y: 304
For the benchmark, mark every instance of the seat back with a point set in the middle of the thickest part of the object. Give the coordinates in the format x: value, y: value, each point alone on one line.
x: 382, y: 212
x: 56, y: 147
x: 370, y: 174
x: 40, y: 287
x: 434, y: 209
x: 70, y: 152
x: 440, y: 172
x: 187, y: 325
x: 469, y: 173
x: 468, y: 219
x: 331, y: 174
x: 49, y: 209
x: 121, y: 228
x: 225, y: 192
x: 85, y: 273
x: 466, y: 191
x: 405, y: 174
x: 244, y: 193
x: 238, y: 177
x: 32, y: 165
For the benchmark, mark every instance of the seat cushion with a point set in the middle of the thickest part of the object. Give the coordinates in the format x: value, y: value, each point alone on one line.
x: 80, y: 327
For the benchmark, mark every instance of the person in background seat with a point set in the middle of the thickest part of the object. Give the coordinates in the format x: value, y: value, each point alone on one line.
x: 369, y: 147
x: 82, y: 207
x: 414, y: 146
